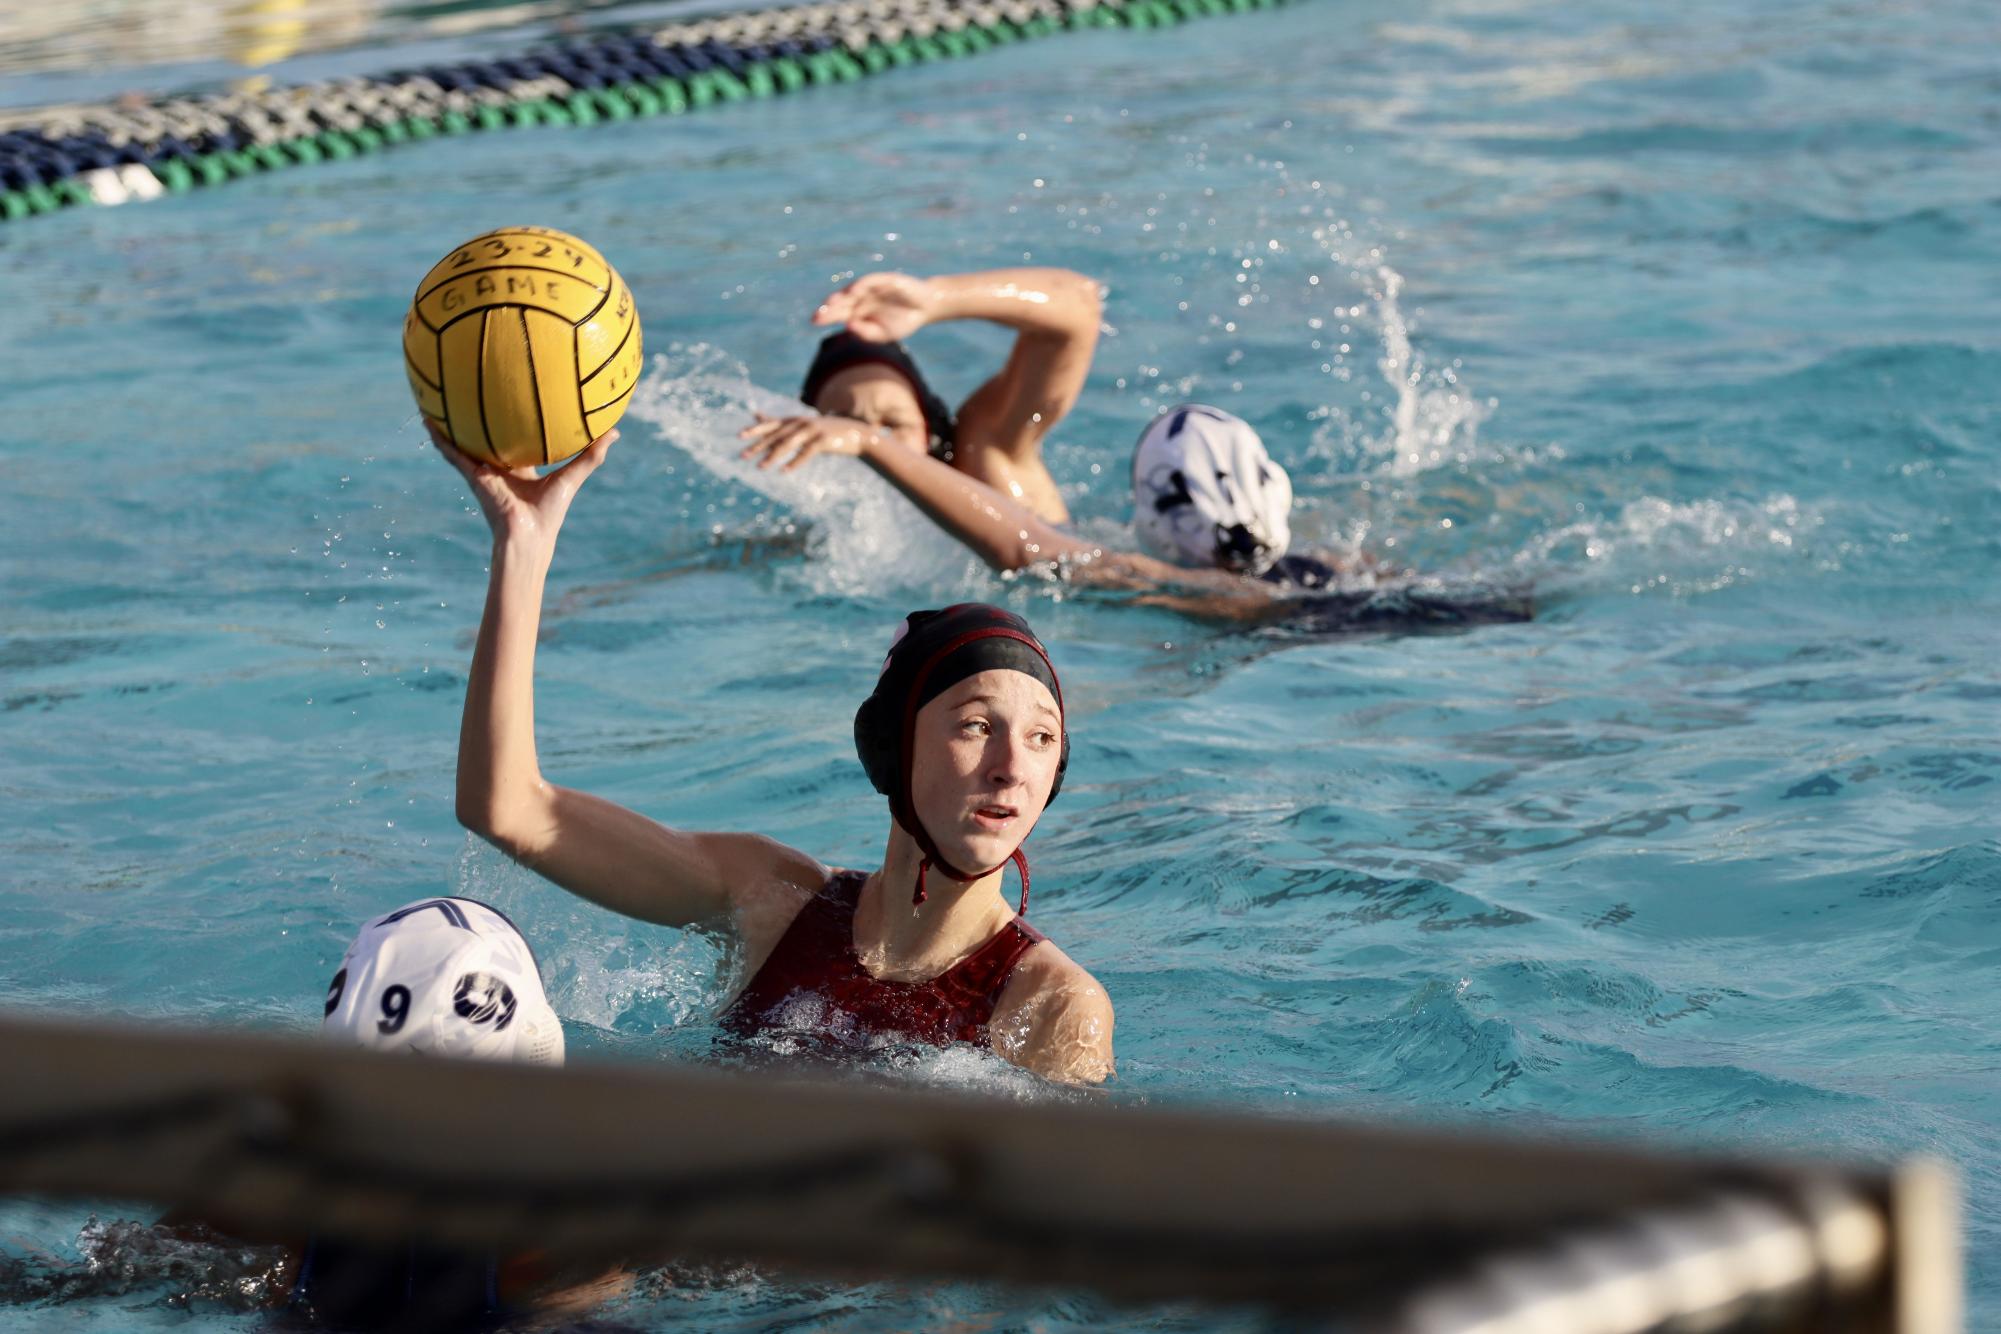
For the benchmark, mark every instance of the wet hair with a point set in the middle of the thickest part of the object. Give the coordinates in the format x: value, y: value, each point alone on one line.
x: 843, y: 350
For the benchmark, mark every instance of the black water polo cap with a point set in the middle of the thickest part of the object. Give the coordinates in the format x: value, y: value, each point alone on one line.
x: 932, y: 652
x: 839, y: 351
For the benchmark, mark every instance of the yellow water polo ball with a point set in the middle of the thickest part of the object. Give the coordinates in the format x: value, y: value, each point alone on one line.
x: 522, y: 346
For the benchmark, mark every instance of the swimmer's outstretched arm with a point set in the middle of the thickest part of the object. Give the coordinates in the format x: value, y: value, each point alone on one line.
x: 592, y: 847
x: 1054, y: 312
x: 999, y: 529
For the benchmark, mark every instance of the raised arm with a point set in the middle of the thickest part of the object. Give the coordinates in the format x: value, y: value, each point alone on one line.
x: 1055, y: 314
x: 590, y: 846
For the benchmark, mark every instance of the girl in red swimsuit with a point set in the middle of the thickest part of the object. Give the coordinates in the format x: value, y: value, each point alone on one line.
x: 964, y: 734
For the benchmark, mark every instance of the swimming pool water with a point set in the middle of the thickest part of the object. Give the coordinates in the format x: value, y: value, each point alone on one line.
x: 1684, y: 316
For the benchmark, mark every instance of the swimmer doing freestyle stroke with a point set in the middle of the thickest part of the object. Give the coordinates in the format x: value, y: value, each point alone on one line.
x: 1210, y: 507
x: 964, y: 733
x: 864, y: 373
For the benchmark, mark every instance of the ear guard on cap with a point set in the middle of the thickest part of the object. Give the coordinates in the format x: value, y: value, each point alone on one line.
x: 875, y: 742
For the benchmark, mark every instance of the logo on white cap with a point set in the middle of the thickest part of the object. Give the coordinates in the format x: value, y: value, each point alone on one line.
x: 1206, y: 494
x: 444, y: 977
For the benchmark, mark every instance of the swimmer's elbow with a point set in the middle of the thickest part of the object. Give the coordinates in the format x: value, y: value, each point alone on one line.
x: 1087, y: 297
x: 478, y: 809
x: 478, y: 822
x: 481, y: 820
x: 512, y: 827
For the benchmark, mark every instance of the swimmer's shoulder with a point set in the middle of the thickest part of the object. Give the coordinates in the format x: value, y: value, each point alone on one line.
x: 1054, y: 1018
x: 767, y: 883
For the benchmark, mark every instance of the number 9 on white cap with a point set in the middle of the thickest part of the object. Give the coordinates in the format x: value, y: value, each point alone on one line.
x: 444, y: 977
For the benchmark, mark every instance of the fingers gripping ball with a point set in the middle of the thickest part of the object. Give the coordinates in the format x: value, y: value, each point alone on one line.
x: 522, y: 346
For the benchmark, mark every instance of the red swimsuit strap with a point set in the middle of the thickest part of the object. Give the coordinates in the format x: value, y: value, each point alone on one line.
x: 985, y: 972
x: 816, y: 955
x: 823, y: 933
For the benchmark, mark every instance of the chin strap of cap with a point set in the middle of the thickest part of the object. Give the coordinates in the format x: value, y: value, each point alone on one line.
x: 1019, y: 858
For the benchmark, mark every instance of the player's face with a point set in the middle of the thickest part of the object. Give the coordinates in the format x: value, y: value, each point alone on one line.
x: 983, y: 758
x: 877, y: 395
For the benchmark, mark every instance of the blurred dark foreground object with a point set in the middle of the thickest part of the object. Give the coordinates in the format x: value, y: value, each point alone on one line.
x: 1424, y: 1232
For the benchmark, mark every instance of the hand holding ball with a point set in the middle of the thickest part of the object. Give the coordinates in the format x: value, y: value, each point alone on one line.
x: 522, y: 346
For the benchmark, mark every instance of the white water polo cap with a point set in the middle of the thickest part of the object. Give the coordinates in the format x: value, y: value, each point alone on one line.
x: 1207, y: 495
x: 444, y: 977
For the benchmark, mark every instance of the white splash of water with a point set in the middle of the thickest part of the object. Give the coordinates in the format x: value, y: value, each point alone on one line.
x: 681, y: 976
x: 803, y: 1024
x: 1432, y: 418
x: 1652, y: 544
x: 186, y: 1266
x: 1433, y: 421
x: 865, y: 538
x: 971, y: 1070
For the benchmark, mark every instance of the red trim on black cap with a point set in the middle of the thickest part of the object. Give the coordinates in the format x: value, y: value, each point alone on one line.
x: 906, y: 745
